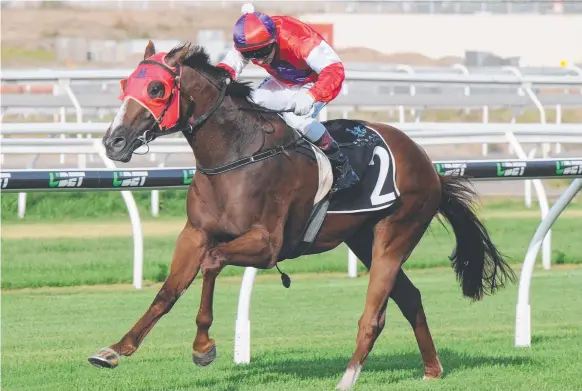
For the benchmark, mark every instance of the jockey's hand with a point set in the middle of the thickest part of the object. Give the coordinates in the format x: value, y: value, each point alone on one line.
x: 302, y: 102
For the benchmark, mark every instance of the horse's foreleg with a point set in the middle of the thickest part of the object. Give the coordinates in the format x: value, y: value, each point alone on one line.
x: 253, y: 249
x: 190, y: 247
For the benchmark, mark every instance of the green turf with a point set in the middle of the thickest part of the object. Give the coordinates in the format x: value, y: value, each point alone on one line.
x: 62, y: 262
x: 92, y: 206
x: 108, y: 205
x: 302, y: 338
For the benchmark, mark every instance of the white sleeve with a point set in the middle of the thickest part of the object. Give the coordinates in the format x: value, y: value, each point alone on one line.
x: 322, y: 56
x: 233, y: 62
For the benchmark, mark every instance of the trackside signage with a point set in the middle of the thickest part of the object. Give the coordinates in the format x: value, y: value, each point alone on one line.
x: 569, y: 167
x: 167, y: 178
x: 66, y: 179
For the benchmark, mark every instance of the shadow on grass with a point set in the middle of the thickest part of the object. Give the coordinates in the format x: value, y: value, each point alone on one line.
x: 406, y: 366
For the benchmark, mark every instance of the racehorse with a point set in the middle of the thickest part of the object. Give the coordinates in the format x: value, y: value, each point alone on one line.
x: 261, y: 195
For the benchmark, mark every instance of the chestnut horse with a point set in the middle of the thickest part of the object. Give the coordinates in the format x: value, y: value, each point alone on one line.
x: 254, y: 193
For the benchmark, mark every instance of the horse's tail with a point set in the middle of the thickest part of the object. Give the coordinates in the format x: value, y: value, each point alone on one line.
x: 478, y: 264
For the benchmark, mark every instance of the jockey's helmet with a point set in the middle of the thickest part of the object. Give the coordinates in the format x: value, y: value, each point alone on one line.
x: 254, y: 32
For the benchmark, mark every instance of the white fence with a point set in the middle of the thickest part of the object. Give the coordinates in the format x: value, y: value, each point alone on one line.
x: 515, y: 135
x: 514, y: 79
x: 423, y: 133
x: 362, y: 89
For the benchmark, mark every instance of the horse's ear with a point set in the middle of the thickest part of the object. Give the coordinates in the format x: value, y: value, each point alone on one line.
x: 150, y: 50
x: 176, y: 58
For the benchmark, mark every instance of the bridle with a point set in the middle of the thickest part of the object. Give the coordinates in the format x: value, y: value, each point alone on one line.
x: 182, y: 125
x: 185, y: 126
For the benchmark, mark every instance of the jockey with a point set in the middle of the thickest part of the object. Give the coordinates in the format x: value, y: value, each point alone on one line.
x: 305, y: 75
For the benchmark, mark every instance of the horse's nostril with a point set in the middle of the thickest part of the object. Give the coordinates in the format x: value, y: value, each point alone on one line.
x: 118, y: 142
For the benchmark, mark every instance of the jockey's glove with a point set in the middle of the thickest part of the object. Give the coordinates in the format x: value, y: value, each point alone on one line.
x: 302, y: 102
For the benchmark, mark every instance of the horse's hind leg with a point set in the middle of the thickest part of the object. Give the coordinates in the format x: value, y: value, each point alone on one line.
x: 394, y: 240
x: 408, y: 299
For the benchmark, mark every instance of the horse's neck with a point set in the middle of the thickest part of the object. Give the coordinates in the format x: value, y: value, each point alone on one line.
x: 212, y: 145
x: 231, y: 134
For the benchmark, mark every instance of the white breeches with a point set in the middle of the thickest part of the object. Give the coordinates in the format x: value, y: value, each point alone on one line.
x: 275, y: 95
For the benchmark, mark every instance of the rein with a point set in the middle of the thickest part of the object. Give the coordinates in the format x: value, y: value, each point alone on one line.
x: 258, y: 156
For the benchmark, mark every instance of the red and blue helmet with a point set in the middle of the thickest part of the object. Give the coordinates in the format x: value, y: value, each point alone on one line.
x: 253, y: 31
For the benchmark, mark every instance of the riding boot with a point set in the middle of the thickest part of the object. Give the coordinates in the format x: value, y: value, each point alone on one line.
x: 343, y: 173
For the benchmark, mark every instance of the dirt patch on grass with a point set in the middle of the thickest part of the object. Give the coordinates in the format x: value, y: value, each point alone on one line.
x: 147, y: 284
x: 90, y: 230
x: 236, y: 280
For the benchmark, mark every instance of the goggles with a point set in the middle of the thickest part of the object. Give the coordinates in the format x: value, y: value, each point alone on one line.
x: 258, y: 54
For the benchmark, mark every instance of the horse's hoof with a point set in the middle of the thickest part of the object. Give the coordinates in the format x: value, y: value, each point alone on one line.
x: 349, y: 379
x: 203, y: 359
x: 105, y: 358
x: 433, y: 374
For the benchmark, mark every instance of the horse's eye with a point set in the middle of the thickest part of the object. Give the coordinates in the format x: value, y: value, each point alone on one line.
x: 156, y: 90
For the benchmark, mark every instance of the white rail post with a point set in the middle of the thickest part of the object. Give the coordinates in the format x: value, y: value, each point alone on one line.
x: 465, y: 71
x: 558, y: 122
x: 155, y: 203
x: 542, y: 198
x: 485, y: 146
x: 577, y: 70
x: 352, y: 264
x: 242, y: 333
x: 21, y: 204
x: 1, y: 135
x: 22, y: 195
x: 523, y: 309
x: 409, y: 70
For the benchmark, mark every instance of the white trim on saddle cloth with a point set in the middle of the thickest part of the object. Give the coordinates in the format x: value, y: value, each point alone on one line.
x: 325, y: 174
x: 324, y: 170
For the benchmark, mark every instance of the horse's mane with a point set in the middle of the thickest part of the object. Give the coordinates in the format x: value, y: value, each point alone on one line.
x: 198, y: 59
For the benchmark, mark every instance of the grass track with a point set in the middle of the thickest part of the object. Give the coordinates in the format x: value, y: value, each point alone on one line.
x: 302, y: 337
x: 106, y: 260
x: 98, y: 207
